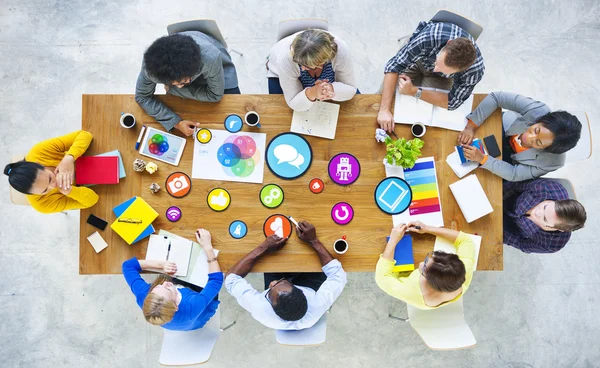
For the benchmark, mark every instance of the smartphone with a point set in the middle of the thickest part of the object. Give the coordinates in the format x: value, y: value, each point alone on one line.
x: 97, y: 222
x: 492, y: 146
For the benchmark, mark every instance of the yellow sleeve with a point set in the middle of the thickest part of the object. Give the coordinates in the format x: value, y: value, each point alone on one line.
x: 465, y: 249
x: 80, y: 197
x: 74, y: 144
x: 402, y: 288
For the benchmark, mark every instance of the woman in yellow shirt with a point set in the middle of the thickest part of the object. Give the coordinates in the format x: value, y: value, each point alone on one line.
x: 46, y: 175
x: 441, y: 278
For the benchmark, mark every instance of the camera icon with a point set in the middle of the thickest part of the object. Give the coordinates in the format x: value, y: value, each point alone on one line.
x: 178, y: 183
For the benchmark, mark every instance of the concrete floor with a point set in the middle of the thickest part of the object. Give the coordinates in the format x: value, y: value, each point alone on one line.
x: 539, y: 312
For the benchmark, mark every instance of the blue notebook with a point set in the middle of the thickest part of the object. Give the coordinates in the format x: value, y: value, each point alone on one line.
x: 118, y: 210
x: 461, y: 152
x: 405, y: 261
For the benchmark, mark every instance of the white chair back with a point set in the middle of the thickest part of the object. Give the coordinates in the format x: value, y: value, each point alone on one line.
x: 583, y: 149
x: 16, y: 197
x: 291, y: 26
x: 443, y: 328
x: 190, y: 347
x: 566, y: 183
x: 468, y: 25
x: 206, y: 26
x: 314, y: 335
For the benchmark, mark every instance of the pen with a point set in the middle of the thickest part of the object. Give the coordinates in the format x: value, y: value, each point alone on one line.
x: 137, y: 144
x: 394, y: 133
x: 168, y: 249
x: 416, y: 227
x: 293, y: 221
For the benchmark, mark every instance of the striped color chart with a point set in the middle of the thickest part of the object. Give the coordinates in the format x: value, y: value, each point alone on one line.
x: 422, y: 180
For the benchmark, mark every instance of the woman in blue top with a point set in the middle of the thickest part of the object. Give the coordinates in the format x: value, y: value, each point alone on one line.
x: 165, y: 304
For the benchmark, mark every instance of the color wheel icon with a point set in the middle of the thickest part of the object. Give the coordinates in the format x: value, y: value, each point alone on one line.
x: 238, y: 155
x: 278, y: 225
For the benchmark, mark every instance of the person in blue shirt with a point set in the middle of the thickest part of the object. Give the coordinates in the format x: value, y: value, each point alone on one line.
x: 168, y: 305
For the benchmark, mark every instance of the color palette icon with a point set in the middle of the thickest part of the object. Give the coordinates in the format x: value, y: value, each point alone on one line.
x: 393, y: 195
x: 342, y: 213
x: 173, y: 213
x: 344, y: 169
x: 425, y: 193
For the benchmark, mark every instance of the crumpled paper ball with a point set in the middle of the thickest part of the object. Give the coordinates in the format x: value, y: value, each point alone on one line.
x: 154, y: 188
x: 380, y: 135
x: 151, y: 167
x: 139, y: 165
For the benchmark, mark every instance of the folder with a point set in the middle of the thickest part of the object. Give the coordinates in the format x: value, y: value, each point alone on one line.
x: 118, y: 210
x: 405, y: 261
x: 97, y: 170
x: 137, y: 209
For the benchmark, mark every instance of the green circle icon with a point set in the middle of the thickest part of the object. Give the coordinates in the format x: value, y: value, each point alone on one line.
x: 271, y: 195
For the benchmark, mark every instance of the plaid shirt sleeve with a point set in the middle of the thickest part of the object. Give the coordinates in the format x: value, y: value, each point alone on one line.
x: 463, y: 86
x: 427, y: 37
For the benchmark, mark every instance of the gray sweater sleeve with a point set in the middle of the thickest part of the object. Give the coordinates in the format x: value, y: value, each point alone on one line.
x: 510, y: 172
x: 523, y: 105
x: 144, y: 96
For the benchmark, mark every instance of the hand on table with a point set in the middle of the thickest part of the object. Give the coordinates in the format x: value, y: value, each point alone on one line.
x: 405, y: 85
x: 204, y: 239
x: 187, y: 127
x: 385, y: 119
x: 273, y: 243
x: 473, y: 153
x: 398, y: 232
x: 306, y: 232
x: 466, y: 136
x: 170, y: 268
x: 65, y: 172
x: 417, y: 227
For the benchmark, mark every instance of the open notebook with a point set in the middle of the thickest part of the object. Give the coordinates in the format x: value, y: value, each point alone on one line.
x: 447, y: 246
x: 409, y: 110
x: 178, y: 250
x: 320, y: 121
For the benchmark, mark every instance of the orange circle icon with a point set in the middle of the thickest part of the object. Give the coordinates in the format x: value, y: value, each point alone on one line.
x: 178, y: 184
x: 316, y: 185
x: 278, y: 225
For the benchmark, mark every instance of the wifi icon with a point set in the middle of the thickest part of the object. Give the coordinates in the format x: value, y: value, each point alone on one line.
x: 173, y: 213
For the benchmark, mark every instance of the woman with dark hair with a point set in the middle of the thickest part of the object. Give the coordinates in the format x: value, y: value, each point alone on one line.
x: 171, y: 306
x: 47, y: 173
x: 441, y: 278
x: 534, y: 139
x: 539, y: 216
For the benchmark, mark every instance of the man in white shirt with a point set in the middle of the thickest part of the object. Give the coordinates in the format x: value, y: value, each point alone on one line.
x: 286, y: 305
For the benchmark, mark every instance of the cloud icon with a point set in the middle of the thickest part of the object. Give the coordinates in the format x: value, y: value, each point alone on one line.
x: 289, y: 154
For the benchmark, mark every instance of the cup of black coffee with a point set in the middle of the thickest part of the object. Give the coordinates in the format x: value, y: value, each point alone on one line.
x: 127, y: 120
x: 340, y: 246
x: 418, y: 129
x: 252, y: 119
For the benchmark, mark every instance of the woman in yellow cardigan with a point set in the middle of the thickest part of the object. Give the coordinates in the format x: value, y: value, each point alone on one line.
x: 441, y: 278
x: 46, y: 175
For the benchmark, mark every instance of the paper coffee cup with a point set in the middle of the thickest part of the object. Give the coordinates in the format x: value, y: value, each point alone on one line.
x: 127, y: 120
x: 420, y: 129
x: 252, y: 118
x: 340, y: 246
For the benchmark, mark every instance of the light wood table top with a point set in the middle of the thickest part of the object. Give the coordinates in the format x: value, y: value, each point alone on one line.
x: 355, y: 134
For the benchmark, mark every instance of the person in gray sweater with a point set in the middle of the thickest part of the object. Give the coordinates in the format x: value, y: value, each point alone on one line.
x: 191, y: 65
x: 534, y: 139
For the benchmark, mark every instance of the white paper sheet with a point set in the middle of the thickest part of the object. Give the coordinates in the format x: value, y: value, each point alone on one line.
x: 181, y: 248
x: 453, y: 120
x: 446, y: 246
x: 409, y: 110
x: 320, y: 121
x: 471, y: 198
x: 453, y: 160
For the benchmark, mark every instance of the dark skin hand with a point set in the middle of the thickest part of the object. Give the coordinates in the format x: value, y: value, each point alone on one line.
x: 272, y: 244
x: 308, y: 233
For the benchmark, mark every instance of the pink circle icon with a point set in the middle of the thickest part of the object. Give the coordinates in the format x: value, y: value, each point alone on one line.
x: 342, y: 213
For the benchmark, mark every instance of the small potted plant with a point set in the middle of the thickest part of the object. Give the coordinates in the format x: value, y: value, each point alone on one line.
x: 401, y: 152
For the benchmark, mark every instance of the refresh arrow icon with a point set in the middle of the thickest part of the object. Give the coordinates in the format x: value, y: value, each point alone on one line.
x: 345, y: 210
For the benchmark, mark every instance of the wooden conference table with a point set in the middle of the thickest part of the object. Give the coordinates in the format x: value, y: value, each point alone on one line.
x: 367, y: 232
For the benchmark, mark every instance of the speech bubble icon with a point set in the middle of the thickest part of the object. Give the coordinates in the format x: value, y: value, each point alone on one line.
x: 286, y: 153
x: 298, y: 161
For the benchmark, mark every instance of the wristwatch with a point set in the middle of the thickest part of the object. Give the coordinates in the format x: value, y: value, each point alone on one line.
x: 212, y: 260
x: 419, y: 93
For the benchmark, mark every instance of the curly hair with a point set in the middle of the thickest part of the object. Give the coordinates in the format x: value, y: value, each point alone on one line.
x: 172, y: 58
x: 566, y: 129
x: 291, y: 306
x: 460, y: 53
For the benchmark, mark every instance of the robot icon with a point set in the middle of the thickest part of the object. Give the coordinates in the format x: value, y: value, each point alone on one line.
x: 344, y: 169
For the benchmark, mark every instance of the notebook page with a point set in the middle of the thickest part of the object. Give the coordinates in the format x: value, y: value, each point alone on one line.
x: 460, y: 169
x: 455, y: 119
x: 181, y: 250
x: 157, y: 248
x: 409, y: 110
x: 320, y: 121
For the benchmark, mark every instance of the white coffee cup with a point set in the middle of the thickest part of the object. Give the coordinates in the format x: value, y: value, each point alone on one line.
x: 412, y: 129
x: 127, y: 118
x: 340, y: 246
x: 252, y: 119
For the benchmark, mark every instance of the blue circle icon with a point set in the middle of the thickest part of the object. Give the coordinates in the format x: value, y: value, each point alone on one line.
x: 393, y: 195
x: 238, y: 229
x: 233, y: 123
x: 288, y: 156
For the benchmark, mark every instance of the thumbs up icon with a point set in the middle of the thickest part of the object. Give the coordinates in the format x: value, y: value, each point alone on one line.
x: 219, y: 200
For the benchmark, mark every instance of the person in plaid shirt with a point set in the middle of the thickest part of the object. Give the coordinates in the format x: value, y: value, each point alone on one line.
x: 438, y: 58
x: 538, y: 216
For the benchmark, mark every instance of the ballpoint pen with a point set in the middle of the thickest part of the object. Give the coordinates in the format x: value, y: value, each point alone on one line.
x: 139, y: 140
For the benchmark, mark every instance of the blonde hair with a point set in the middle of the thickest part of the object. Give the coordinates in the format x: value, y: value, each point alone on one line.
x: 157, y: 309
x: 313, y: 48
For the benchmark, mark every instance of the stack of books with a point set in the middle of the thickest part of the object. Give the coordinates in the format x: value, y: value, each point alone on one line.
x: 134, y: 220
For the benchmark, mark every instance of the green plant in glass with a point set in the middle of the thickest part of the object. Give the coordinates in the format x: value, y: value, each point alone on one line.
x: 401, y: 152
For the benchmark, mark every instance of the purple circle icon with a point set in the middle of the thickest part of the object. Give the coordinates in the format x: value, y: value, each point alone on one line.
x: 173, y: 213
x: 344, y: 169
x: 342, y: 213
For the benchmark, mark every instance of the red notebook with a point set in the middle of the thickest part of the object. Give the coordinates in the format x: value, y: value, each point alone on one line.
x: 97, y: 170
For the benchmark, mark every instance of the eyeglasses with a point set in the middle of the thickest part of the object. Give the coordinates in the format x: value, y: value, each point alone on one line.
x: 276, y: 283
x: 130, y: 220
x: 425, y: 263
